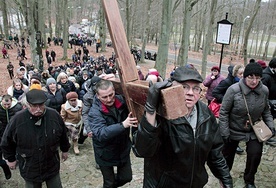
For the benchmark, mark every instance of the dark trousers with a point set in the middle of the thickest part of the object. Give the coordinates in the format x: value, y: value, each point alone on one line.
x: 81, y: 137
x: 11, y: 74
x: 54, y: 182
x: 254, y: 150
x: 123, y: 176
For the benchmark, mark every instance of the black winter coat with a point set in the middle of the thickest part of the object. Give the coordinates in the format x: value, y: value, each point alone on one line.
x: 219, y: 91
x: 110, y: 139
x: 68, y: 86
x: 36, y: 146
x: 269, y: 79
x: 55, y: 100
x: 175, y: 157
x: 7, y: 114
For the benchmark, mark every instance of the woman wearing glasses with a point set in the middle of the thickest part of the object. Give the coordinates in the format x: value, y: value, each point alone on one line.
x: 234, y: 121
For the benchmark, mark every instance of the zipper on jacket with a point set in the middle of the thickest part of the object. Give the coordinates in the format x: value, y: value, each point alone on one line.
x: 193, y: 165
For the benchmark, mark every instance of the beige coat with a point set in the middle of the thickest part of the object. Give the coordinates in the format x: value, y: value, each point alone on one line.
x: 71, y: 115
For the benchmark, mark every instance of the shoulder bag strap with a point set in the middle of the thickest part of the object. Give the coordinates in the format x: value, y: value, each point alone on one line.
x: 250, y: 120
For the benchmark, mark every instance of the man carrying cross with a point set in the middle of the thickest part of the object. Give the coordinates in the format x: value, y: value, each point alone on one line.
x: 176, y: 151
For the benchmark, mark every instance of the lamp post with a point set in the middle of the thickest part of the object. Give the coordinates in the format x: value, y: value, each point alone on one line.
x: 224, y: 29
x: 241, y: 35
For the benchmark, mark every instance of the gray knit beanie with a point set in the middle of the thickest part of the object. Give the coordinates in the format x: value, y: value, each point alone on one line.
x: 50, y: 81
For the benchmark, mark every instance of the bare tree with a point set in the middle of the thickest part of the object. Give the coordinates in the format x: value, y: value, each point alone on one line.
x: 146, y: 30
x: 186, y: 25
x: 163, y: 47
x: 208, y: 38
x: 102, y: 28
x: 270, y: 30
x: 65, y: 31
x: 58, y: 18
x: 247, y: 32
x: 5, y: 17
x: 49, y: 12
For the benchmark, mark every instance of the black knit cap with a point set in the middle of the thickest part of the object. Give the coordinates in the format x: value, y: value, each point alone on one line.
x: 186, y: 73
x: 36, y: 76
x: 253, y: 68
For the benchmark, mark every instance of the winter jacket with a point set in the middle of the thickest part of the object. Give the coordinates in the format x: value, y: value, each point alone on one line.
x: 55, y: 100
x: 68, y: 86
x: 10, y: 89
x: 70, y: 114
x: 176, y: 157
x: 269, y: 79
x: 211, y: 84
x: 87, y: 104
x: 219, y: 91
x: 233, y: 118
x: 7, y: 114
x: 35, y: 145
x: 110, y: 139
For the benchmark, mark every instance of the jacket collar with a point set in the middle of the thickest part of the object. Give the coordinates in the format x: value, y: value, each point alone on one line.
x: 245, y: 89
x: 68, y: 106
x: 117, y: 105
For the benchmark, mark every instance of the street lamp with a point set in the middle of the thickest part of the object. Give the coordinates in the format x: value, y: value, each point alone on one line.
x: 241, y: 35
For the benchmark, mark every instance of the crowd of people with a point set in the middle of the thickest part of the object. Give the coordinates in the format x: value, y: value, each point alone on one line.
x: 44, y: 112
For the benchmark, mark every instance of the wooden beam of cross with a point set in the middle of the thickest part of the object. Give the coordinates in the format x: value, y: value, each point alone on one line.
x: 134, y: 90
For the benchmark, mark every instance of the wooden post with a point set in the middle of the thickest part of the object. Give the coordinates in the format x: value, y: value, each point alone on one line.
x: 134, y: 90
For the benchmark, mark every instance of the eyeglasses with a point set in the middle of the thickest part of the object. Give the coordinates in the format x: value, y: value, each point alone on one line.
x: 196, y: 89
x: 251, y: 78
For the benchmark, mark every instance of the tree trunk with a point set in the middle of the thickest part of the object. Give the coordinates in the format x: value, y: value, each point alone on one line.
x: 208, y: 38
x: 5, y: 18
x: 58, y: 19
x: 274, y: 53
x: 65, y: 31
x: 161, y: 61
x: 251, y: 45
x: 41, y: 21
x: 19, y: 21
x: 184, y: 47
x: 146, y: 30
x: 128, y: 20
x: 50, y: 18
x: 102, y: 29
x: 270, y: 32
x: 257, y: 40
x: 255, y: 11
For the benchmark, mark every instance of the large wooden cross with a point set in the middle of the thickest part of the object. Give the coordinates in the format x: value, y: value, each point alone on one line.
x: 134, y: 90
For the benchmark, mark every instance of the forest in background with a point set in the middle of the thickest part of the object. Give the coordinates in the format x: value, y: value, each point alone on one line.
x: 181, y: 25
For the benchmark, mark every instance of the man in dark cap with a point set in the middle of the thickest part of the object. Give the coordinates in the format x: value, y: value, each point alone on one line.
x: 32, y: 137
x: 176, y: 151
x: 269, y: 79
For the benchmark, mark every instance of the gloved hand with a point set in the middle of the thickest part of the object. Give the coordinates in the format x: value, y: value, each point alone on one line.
x: 154, y: 94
